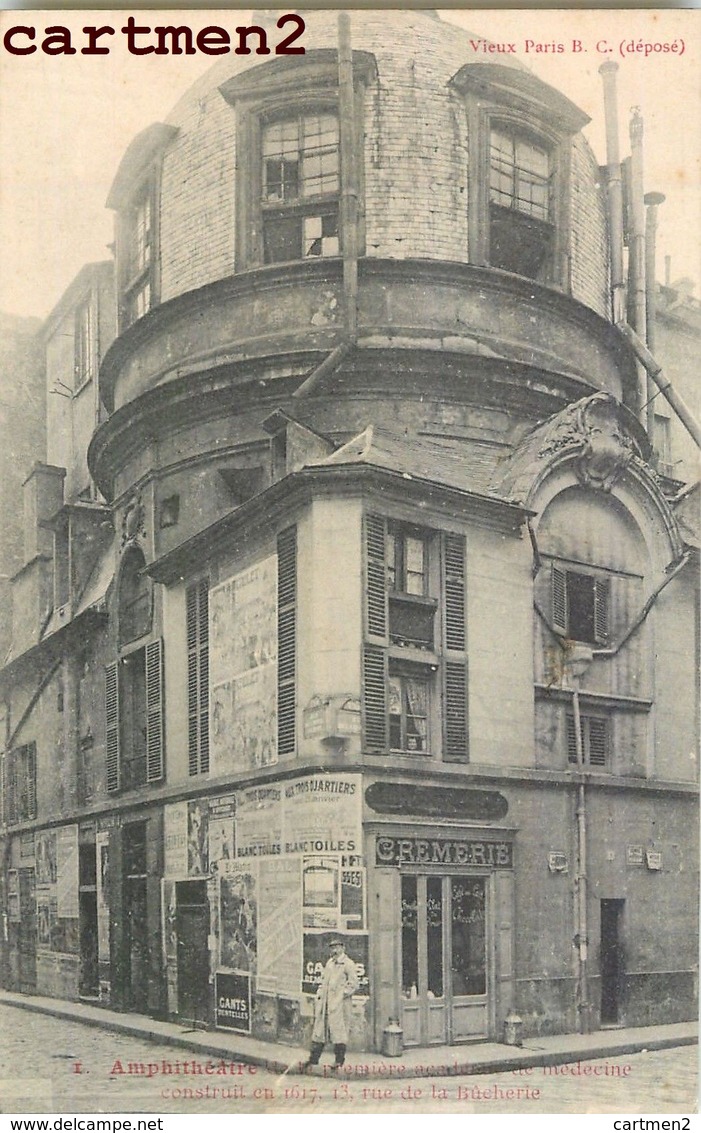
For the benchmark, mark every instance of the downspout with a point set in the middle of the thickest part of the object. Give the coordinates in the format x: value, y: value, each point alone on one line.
x: 348, y: 213
x: 636, y: 265
x: 580, y: 881
x: 663, y: 384
x: 615, y: 188
x: 652, y: 201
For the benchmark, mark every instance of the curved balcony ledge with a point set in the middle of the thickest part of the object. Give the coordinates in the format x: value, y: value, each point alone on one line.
x: 294, y: 309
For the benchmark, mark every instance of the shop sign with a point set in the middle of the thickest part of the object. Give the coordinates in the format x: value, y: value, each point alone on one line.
x: 635, y: 855
x: 322, y: 814
x: 232, y: 1011
x: 653, y: 859
x: 443, y: 851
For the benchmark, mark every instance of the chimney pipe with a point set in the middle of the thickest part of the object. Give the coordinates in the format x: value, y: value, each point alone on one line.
x: 614, y: 187
x: 636, y: 264
x: 349, y: 180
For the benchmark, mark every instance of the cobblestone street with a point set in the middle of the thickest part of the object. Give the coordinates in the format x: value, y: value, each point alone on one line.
x: 48, y: 1065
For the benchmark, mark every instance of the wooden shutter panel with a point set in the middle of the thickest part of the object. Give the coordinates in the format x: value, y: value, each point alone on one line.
x: 30, y: 771
x: 154, y: 711
x: 455, y: 712
x: 376, y: 577
x: 598, y: 740
x: 454, y: 591
x: 112, y: 760
x: 558, y: 599
x: 571, y: 739
x: 602, y: 605
x: 197, y: 625
x: 286, y: 640
x: 375, y: 720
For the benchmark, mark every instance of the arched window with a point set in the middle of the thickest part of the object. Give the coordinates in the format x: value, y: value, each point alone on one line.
x: 134, y: 607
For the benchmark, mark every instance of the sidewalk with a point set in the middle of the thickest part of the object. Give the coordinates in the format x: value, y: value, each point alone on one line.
x: 437, y: 1061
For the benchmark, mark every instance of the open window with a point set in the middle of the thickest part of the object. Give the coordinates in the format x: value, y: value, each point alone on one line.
x: 288, y: 143
x: 520, y: 134
x: 581, y: 603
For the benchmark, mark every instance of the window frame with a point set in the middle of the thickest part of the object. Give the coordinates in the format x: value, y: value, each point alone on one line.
x: 85, y: 343
x: 282, y: 88
x: 498, y: 95
x: 404, y: 673
x: 601, y: 602
x: 587, y: 719
x: 132, y: 278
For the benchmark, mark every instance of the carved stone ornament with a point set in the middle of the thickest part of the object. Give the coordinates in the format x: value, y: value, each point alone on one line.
x: 594, y: 426
x: 133, y: 521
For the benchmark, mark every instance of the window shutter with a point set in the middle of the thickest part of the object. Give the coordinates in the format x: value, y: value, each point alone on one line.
x: 112, y: 726
x: 31, y: 779
x: 598, y: 740
x: 376, y: 577
x: 455, y: 712
x: 375, y: 720
x: 602, y: 605
x: 154, y: 711
x: 454, y: 591
x: 558, y: 604
x: 197, y: 623
x: 571, y: 739
x: 286, y: 640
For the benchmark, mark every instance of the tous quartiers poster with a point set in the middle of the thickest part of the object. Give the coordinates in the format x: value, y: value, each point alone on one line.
x: 349, y: 571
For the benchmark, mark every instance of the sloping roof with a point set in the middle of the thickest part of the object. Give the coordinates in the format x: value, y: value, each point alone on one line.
x: 448, y: 462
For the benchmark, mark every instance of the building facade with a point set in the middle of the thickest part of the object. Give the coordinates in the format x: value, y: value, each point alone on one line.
x: 368, y: 607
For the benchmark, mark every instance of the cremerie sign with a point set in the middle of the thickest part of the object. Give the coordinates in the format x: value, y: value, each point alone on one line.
x: 443, y: 851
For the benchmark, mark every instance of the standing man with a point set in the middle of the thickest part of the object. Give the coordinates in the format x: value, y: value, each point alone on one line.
x: 333, y: 1004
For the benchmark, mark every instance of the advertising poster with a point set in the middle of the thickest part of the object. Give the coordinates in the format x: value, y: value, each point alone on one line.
x: 259, y: 822
x: 316, y: 955
x: 280, y: 925
x: 238, y: 919
x: 350, y: 419
x: 243, y: 669
x: 67, y: 871
x: 233, y: 1002
x: 176, y: 839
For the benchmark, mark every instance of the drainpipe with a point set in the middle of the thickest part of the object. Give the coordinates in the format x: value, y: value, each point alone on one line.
x: 615, y: 188
x: 348, y: 213
x: 580, y: 881
x: 663, y: 384
x: 636, y: 264
x: 652, y: 201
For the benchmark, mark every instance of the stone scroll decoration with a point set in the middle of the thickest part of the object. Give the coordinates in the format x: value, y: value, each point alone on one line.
x: 593, y: 426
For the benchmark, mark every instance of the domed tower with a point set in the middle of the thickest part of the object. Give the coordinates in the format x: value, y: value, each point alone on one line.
x: 396, y: 593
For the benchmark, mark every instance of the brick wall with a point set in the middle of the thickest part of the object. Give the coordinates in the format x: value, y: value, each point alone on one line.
x: 415, y: 160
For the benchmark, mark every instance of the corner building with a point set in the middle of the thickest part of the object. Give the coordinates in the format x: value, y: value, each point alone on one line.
x: 372, y: 613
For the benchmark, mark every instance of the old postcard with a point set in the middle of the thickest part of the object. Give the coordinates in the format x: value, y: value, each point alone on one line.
x: 349, y: 573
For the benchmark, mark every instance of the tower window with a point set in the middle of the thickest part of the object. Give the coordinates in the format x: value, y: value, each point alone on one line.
x: 300, y: 185
x: 520, y: 232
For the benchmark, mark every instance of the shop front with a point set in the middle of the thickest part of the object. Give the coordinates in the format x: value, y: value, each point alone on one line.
x: 443, y: 949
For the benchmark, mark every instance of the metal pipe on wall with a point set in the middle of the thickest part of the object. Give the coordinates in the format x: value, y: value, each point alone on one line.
x: 651, y: 201
x: 349, y: 177
x: 615, y: 188
x: 636, y: 264
x: 666, y: 388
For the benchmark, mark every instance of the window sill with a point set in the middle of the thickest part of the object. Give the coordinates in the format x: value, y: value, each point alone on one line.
x: 413, y: 654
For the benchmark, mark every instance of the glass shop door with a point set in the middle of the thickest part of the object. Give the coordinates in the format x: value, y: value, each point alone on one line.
x: 444, y: 959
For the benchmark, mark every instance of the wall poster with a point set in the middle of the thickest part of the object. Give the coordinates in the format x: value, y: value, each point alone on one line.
x: 102, y: 853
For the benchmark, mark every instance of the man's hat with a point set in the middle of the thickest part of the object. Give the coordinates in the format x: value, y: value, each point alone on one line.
x: 336, y: 940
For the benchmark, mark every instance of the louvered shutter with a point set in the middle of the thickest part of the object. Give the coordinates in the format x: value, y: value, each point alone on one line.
x: 454, y: 684
x: 30, y: 771
x: 197, y: 623
x: 375, y: 719
x: 112, y: 758
x: 454, y: 591
x: 558, y: 599
x: 286, y: 640
x: 571, y: 739
x: 598, y: 728
x: 154, y: 711
x: 602, y: 605
x: 455, y: 712
x: 376, y: 577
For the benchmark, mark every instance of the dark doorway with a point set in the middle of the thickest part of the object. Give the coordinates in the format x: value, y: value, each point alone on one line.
x: 612, y: 962
x: 192, y: 926
x: 27, y: 932
x: 89, y: 981
x: 135, y: 923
